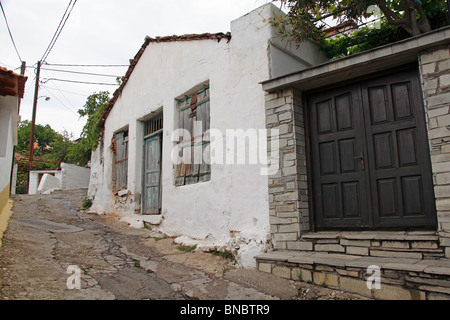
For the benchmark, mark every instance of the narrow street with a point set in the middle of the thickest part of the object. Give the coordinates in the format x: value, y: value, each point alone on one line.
x: 47, y: 234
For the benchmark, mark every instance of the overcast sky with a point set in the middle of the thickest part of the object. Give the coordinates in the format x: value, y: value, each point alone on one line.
x: 97, y: 32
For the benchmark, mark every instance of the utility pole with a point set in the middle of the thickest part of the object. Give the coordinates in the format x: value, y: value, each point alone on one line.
x: 33, y: 121
x: 22, y: 72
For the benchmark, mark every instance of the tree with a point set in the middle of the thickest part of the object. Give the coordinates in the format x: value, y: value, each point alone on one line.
x: 304, y: 17
x: 93, y: 108
x: 43, y: 135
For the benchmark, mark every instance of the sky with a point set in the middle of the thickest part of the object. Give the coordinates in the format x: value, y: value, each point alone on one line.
x: 98, y: 32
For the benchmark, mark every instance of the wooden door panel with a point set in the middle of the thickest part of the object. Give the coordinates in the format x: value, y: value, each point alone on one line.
x: 398, y: 155
x: 370, y: 158
x: 151, y: 200
x: 337, y: 145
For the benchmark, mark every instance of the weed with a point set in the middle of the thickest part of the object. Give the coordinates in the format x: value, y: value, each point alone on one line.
x: 86, y: 269
x: 147, y: 226
x: 186, y: 248
x: 87, y: 203
x: 137, y: 263
x: 224, y: 254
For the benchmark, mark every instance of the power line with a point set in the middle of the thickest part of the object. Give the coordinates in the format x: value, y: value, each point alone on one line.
x: 61, y: 25
x: 81, y: 82
x: 56, y: 87
x: 86, y: 73
x: 60, y: 101
x: 9, y: 30
x: 77, y: 94
x: 87, y: 65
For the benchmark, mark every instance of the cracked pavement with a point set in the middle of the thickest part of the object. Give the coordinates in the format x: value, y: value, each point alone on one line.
x: 49, y: 233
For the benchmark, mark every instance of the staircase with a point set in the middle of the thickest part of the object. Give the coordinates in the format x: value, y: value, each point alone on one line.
x: 412, y: 265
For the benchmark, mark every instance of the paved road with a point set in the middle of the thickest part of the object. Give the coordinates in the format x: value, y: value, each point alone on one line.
x: 49, y: 233
x: 50, y: 238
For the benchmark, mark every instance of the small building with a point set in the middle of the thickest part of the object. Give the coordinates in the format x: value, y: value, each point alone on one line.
x: 11, y: 91
x: 184, y: 143
x: 371, y: 137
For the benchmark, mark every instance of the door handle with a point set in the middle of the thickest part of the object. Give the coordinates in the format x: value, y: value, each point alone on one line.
x: 361, y: 159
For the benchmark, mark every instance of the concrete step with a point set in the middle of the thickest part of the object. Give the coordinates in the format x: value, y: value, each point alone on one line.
x: 400, y: 278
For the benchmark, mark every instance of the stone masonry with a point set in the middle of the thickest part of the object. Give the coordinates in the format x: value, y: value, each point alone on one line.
x: 288, y: 188
x: 435, y: 76
x: 414, y: 264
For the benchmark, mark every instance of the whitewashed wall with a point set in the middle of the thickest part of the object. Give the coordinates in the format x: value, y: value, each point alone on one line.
x: 231, y: 210
x: 8, y: 121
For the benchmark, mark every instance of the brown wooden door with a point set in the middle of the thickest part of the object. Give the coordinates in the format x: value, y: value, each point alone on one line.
x: 370, y: 159
x: 399, y: 157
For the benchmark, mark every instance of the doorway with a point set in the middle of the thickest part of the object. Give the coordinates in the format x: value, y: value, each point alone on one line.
x: 370, y: 158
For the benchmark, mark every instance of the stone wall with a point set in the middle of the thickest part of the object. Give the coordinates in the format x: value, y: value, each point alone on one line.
x: 435, y: 76
x: 288, y: 188
x: 435, y: 73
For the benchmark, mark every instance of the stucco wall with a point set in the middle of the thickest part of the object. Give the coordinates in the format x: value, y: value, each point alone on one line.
x: 231, y: 210
x: 8, y: 119
x: 74, y: 177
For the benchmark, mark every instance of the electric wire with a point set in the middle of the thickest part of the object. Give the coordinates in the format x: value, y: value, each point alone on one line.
x: 87, y: 65
x: 80, y: 82
x: 59, y: 101
x: 84, y: 73
x: 9, y: 30
x: 62, y: 94
x: 74, y: 93
x: 58, y: 31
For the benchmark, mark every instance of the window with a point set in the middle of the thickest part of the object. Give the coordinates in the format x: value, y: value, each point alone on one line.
x: 193, y: 160
x: 120, y: 150
x: 153, y: 125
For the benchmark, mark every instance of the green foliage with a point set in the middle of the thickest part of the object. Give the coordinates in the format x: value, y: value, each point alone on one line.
x: 224, y: 254
x: 53, y: 147
x: 43, y: 135
x: 362, y: 40
x: 401, y: 19
x: 93, y: 108
x: 87, y: 203
x: 186, y: 248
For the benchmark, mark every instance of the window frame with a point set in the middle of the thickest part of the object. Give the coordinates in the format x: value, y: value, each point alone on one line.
x: 191, y: 167
x: 120, y: 159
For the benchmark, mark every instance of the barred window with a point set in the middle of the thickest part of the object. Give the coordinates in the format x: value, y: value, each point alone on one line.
x: 194, y: 117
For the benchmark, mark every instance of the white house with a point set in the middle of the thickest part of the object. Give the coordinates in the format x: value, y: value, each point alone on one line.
x: 166, y: 154
x: 11, y: 91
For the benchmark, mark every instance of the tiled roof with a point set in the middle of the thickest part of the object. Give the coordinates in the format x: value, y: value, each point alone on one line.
x: 148, y: 40
x: 11, y: 84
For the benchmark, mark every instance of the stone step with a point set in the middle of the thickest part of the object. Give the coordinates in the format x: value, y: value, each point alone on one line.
x: 415, y: 244
x: 401, y: 278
